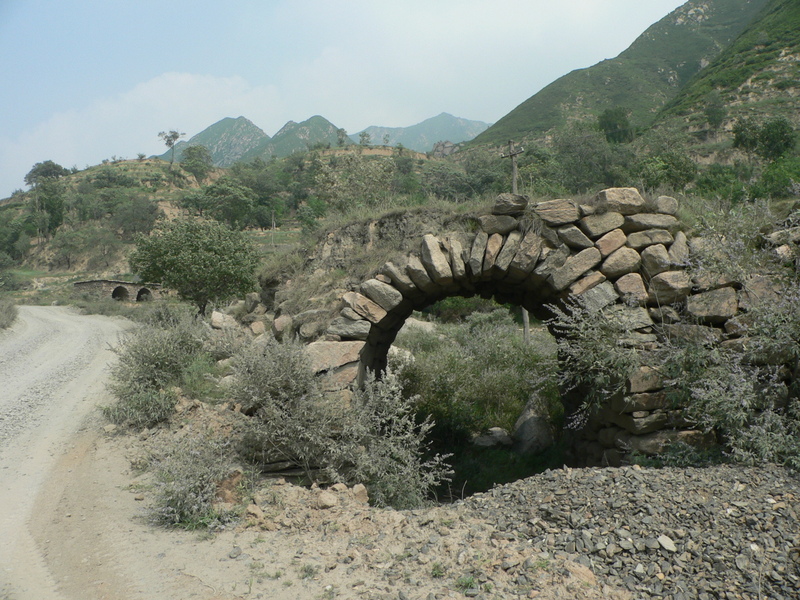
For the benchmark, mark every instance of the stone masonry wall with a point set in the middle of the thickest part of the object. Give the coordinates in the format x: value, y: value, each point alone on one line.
x: 617, y: 250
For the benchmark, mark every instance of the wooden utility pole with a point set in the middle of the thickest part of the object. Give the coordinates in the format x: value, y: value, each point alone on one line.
x: 512, y: 154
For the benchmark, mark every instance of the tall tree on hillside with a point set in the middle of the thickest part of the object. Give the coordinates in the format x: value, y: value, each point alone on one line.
x: 614, y: 123
x: 170, y: 137
x: 48, y: 195
x: 45, y: 171
x: 775, y: 138
x: 364, y: 138
x: 197, y: 160
x: 715, y: 111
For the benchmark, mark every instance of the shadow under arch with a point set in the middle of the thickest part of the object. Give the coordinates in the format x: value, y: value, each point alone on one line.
x: 120, y: 293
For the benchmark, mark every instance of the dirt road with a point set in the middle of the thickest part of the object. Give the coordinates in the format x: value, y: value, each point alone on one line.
x: 53, y: 368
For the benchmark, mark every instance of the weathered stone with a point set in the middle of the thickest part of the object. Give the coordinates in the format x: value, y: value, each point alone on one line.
x: 220, y: 320
x: 679, y: 250
x: 697, y: 334
x: 709, y: 280
x: 655, y: 260
x: 350, y: 328
x: 495, y: 436
x: 786, y: 253
x: 657, y: 442
x: 599, y: 296
x: 493, y: 246
x: 282, y: 327
x: 664, y: 314
x: 524, y: 261
x: 400, y: 279
x: 636, y: 339
x: 644, y: 379
x: 641, y: 425
x: 574, y: 237
x: 360, y: 493
x: 382, y: 293
x: 638, y: 402
x: 501, y: 224
x: 649, y: 237
x: 613, y: 240
x: 326, y: 500
x: 626, y: 201
x: 669, y: 287
x: 574, y: 267
x: 666, y: 205
x: 620, y: 262
x: 364, y: 306
x: 456, y: 252
x: 757, y: 289
x: 581, y: 286
x: 258, y: 327
x: 784, y: 236
x: 533, y: 431
x: 420, y: 276
x: 508, y: 252
x: 475, y: 262
x: 738, y: 325
x: 716, y: 306
x: 311, y: 330
x: 339, y: 378
x: 599, y: 224
x: 631, y: 288
x: 629, y: 318
x: 325, y: 356
x: 436, y: 261
x: 509, y: 204
x: 644, y: 221
x: 554, y: 260
x: 558, y: 212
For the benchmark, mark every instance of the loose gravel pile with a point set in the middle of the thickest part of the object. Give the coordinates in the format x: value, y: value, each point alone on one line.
x: 721, y: 532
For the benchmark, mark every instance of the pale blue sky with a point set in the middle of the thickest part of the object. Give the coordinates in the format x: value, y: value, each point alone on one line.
x: 84, y: 80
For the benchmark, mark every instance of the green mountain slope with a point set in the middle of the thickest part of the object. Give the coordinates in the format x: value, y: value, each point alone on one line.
x: 757, y: 75
x: 227, y: 140
x: 422, y: 136
x: 642, y: 79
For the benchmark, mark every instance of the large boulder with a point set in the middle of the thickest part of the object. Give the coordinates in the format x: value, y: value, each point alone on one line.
x: 533, y: 432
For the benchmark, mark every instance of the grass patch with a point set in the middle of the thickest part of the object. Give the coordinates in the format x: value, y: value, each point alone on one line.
x: 8, y: 312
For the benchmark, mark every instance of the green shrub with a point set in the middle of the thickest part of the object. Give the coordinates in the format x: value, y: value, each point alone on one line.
x: 477, y: 374
x: 153, y: 358
x: 374, y: 440
x: 140, y: 407
x: 8, y: 312
x: 186, y: 474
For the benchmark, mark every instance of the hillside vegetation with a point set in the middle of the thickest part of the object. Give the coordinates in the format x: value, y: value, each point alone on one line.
x: 642, y: 79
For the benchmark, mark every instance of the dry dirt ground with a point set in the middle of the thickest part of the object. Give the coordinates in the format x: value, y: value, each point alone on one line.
x: 73, y: 524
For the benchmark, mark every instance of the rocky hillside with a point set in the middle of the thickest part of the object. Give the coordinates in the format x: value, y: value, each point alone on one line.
x: 228, y: 141
x: 757, y: 75
x: 642, y: 79
x: 422, y: 137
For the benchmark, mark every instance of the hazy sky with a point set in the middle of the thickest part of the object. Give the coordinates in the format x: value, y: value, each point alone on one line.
x: 84, y: 80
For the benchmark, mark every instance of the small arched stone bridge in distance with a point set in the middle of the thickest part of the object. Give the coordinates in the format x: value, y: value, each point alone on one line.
x: 618, y: 252
x: 123, y: 291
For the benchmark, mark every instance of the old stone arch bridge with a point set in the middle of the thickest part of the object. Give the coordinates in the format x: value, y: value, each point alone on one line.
x: 124, y: 291
x: 617, y: 250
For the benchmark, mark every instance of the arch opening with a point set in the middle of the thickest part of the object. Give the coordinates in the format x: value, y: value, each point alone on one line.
x: 494, y: 398
x: 120, y: 293
x: 144, y: 295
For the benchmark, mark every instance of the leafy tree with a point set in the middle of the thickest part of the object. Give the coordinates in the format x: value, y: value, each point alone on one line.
x: 341, y: 137
x: 746, y: 134
x: 45, y: 171
x: 715, y: 111
x: 613, y: 122
x: 364, y: 138
x: 230, y: 202
x: 775, y: 138
x: 138, y: 215
x: 204, y: 261
x: 170, y: 137
x: 197, y: 161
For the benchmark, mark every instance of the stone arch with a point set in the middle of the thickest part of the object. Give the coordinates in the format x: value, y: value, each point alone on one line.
x: 144, y: 295
x: 120, y: 293
x: 616, y: 250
